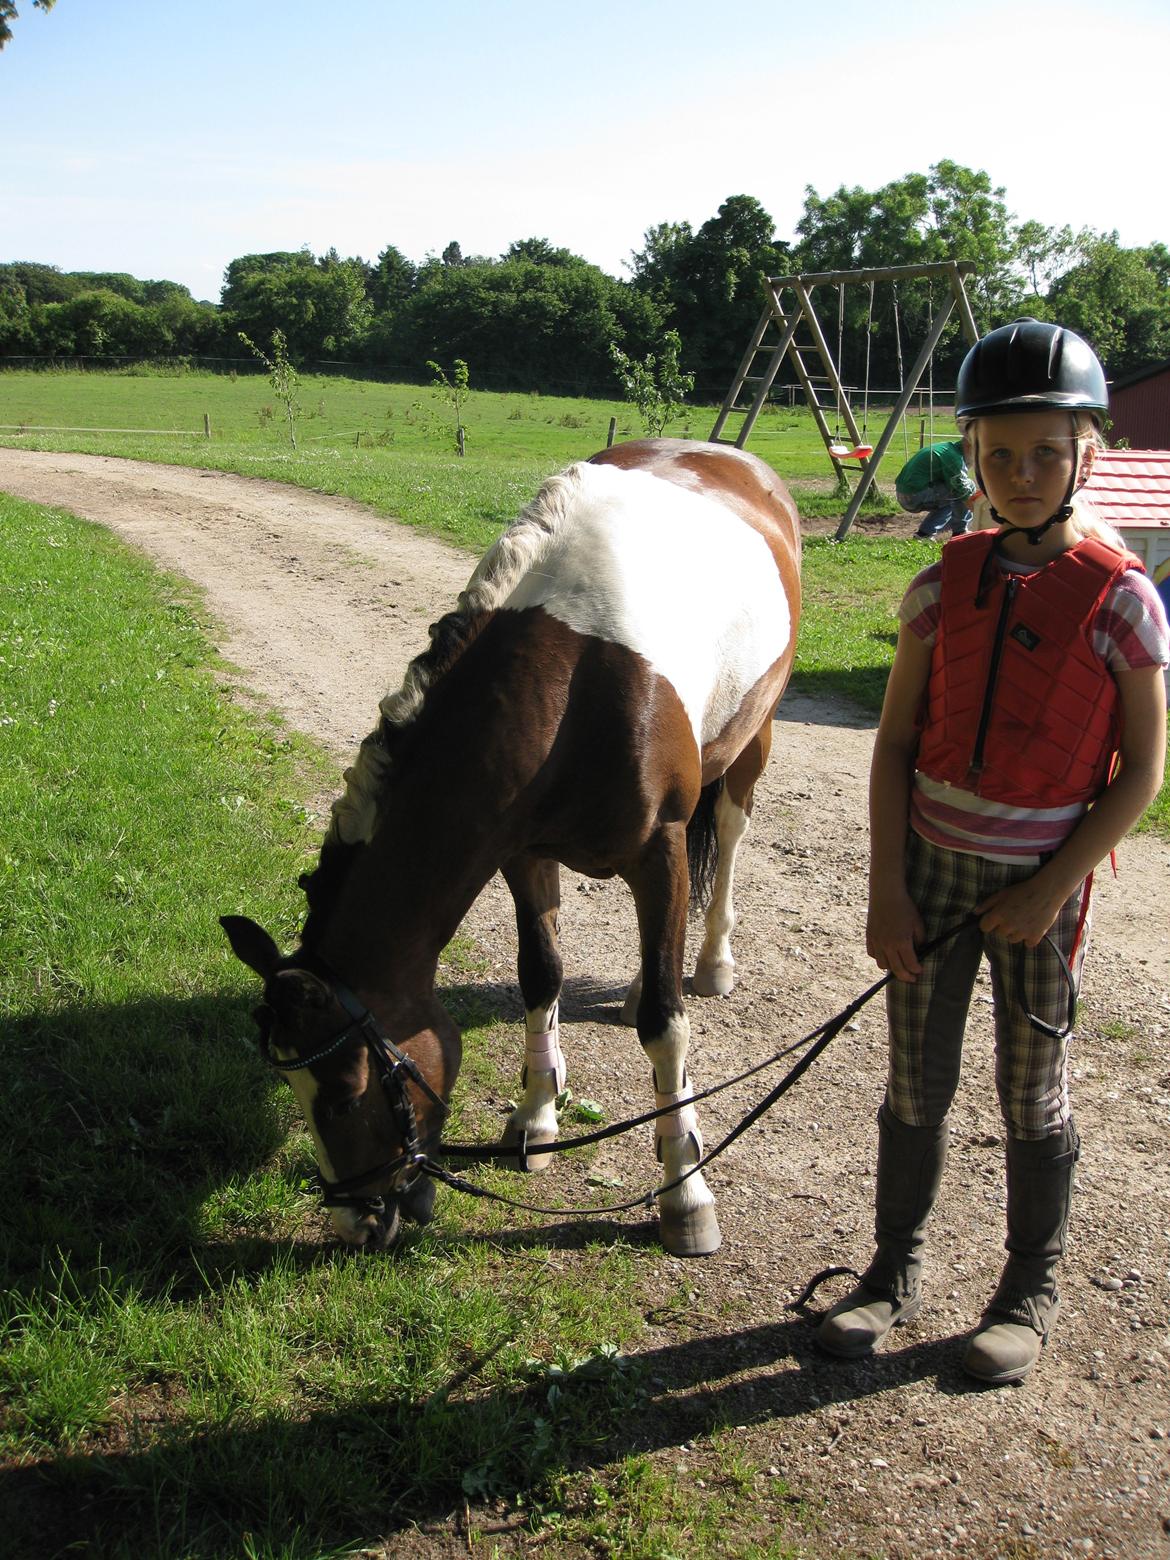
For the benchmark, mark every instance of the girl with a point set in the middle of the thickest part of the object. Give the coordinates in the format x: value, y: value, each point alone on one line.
x: 1023, y: 733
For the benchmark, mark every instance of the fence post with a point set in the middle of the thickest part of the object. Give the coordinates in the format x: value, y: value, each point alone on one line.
x: 207, y: 425
x: 612, y: 431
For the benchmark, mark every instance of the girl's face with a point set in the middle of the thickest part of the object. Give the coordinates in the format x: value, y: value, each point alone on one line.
x: 1027, y: 460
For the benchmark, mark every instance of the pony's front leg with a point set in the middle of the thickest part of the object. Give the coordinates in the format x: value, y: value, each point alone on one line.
x: 715, y: 965
x: 688, y: 1226
x: 535, y: 886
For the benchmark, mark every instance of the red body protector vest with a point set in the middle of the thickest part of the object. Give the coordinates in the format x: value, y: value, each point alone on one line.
x: 1019, y: 708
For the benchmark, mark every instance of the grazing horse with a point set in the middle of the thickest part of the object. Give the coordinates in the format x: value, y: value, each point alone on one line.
x: 602, y: 698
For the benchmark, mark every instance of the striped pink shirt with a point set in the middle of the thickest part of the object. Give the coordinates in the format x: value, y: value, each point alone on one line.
x: 1130, y: 631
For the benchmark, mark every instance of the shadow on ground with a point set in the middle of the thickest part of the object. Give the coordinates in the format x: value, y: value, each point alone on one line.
x: 185, y: 1494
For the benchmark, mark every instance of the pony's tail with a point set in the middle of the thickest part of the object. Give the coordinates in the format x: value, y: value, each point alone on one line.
x: 703, y: 846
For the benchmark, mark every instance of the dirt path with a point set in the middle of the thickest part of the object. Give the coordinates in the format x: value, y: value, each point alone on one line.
x: 322, y: 604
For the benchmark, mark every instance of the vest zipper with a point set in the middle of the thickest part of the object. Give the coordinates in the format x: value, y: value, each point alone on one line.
x: 1009, y: 595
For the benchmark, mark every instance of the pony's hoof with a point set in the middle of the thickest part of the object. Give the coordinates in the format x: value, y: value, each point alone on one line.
x: 692, y: 1234
x: 534, y: 1162
x: 714, y: 980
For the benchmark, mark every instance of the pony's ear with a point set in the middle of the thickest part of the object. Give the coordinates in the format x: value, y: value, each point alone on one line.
x: 252, y: 945
x: 297, y: 997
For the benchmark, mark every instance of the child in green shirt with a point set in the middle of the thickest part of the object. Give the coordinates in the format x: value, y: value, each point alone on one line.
x: 936, y: 479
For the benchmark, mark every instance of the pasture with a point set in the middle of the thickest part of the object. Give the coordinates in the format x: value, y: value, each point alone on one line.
x: 391, y: 446
x: 187, y: 1368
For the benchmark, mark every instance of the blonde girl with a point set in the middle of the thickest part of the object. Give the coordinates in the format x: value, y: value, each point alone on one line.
x: 1023, y: 733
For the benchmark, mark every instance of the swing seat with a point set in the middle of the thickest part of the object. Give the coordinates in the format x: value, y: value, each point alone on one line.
x: 858, y: 452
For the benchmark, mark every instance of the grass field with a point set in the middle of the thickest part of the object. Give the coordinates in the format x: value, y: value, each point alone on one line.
x: 391, y: 446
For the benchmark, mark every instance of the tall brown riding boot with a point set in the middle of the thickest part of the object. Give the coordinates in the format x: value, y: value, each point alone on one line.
x: 909, y: 1169
x: 1017, y: 1322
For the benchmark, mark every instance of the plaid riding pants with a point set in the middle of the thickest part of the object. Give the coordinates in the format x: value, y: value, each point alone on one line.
x: 927, y: 1018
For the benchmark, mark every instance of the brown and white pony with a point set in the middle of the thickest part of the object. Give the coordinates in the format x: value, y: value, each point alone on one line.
x: 616, y: 653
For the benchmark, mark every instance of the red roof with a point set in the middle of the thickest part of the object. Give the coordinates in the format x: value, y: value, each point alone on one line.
x: 1131, y: 487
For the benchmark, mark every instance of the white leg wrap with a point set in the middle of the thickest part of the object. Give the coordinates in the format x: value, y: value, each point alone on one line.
x: 678, y: 1143
x: 542, y: 1080
x: 542, y: 1052
x: 680, y: 1123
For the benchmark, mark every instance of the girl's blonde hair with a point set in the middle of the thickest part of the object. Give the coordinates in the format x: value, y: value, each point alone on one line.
x: 1084, y: 519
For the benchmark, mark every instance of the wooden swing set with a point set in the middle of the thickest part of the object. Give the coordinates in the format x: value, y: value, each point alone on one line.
x: 819, y: 373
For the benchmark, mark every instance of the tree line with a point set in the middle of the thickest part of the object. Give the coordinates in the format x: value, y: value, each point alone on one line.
x: 541, y: 318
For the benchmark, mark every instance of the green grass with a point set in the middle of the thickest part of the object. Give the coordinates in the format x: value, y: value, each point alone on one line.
x: 188, y: 1366
x: 390, y: 446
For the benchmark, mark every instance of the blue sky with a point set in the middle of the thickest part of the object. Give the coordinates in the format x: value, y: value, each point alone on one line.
x: 166, y: 137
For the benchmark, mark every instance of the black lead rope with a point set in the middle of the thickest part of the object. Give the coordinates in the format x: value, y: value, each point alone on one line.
x: 816, y: 1040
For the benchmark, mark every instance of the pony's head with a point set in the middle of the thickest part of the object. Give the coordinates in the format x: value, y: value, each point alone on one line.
x: 372, y: 1086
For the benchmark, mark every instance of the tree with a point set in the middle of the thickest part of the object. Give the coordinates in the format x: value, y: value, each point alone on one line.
x: 1042, y: 254
x: 392, y: 279
x: 15, y: 320
x: 319, y: 306
x: 8, y: 15
x: 525, y: 325
x: 657, y: 386
x: 948, y: 213
x: 282, y: 376
x: 708, y: 284
x: 540, y: 252
x: 453, y: 392
x: 1118, y: 299
x: 63, y: 313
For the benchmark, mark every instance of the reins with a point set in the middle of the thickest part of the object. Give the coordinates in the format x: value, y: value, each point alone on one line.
x: 820, y: 1038
x: 395, y: 1064
x: 817, y: 1040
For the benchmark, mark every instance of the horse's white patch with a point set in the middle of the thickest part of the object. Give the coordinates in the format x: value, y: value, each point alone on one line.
x: 634, y: 560
x: 674, y: 576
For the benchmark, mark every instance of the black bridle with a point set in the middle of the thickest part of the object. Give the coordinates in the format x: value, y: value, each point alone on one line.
x: 395, y: 1068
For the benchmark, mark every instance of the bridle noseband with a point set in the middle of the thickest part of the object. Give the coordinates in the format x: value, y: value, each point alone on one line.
x: 395, y: 1068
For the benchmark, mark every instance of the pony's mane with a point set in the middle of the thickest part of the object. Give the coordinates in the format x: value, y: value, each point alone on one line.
x: 506, y: 562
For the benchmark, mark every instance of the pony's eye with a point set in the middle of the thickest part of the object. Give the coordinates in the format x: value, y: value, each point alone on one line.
x: 333, y: 1110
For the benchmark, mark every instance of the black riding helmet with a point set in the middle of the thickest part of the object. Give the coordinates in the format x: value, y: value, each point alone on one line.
x: 1031, y: 366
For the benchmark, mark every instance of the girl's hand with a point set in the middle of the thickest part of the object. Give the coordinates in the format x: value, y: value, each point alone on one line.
x: 892, y: 928
x: 1021, y: 913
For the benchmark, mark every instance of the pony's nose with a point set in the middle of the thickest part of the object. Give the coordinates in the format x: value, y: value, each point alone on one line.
x: 369, y: 1231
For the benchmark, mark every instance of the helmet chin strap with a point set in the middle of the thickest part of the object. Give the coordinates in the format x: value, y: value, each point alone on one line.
x: 1032, y: 532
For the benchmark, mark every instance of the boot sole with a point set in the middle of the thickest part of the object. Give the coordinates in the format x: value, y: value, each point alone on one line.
x: 1005, y: 1378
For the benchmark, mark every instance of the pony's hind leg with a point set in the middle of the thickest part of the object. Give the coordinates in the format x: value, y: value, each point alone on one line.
x: 688, y: 1226
x: 535, y: 886
x: 715, y: 966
